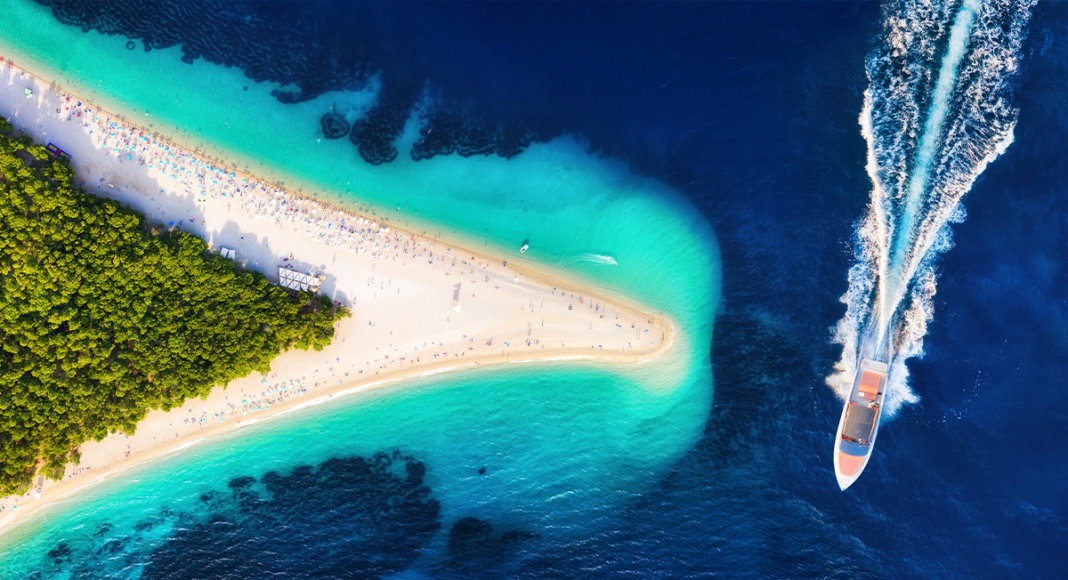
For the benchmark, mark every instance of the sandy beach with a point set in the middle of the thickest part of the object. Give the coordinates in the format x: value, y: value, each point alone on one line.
x: 419, y: 305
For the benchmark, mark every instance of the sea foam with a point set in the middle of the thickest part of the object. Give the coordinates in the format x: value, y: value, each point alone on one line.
x: 938, y: 110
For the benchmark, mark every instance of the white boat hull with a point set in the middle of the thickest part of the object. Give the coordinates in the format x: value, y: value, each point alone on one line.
x: 852, y: 450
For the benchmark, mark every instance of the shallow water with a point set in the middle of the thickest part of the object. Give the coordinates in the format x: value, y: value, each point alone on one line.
x: 561, y: 444
x: 747, y: 116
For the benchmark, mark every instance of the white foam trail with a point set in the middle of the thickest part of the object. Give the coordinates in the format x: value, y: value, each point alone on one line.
x: 901, y: 245
x: 938, y: 110
x: 597, y: 259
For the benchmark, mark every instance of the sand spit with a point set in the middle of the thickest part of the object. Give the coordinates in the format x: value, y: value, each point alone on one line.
x: 420, y: 305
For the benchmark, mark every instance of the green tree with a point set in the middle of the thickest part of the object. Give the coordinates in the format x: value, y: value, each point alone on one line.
x: 104, y: 316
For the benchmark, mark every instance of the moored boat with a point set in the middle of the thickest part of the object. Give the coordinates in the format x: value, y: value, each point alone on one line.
x: 860, y: 422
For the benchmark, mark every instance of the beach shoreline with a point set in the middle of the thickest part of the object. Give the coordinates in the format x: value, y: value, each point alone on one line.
x: 352, y: 283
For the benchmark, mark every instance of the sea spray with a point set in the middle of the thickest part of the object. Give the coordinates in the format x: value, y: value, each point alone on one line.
x: 939, y: 108
x: 597, y: 259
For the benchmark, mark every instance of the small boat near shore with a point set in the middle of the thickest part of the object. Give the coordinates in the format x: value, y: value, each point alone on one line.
x: 860, y: 422
x: 524, y: 249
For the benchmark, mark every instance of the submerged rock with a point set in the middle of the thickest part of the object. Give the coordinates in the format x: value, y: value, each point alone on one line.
x: 376, y: 132
x: 299, y: 50
x: 348, y: 517
x: 334, y: 126
x: 474, y: 541
x: 61, y: 552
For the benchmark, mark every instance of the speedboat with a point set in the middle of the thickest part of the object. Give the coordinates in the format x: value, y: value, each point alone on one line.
x: 524, y: 249
x: 860, y: 422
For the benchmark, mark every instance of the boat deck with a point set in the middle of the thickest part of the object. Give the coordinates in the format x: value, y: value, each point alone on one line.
x: 867, y: 388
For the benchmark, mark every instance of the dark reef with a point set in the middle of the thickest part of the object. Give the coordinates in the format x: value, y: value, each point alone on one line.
x: 472, y: 540
x: 375, y: 133
x: 309, y: 51
x: 447, y: 131
x: 351, y: 517
x: 334, y: 126
x: 61, y: 552
x: 271, y: 42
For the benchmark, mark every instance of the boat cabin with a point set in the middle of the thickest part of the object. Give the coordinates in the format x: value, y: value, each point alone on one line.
x: 859, y: 423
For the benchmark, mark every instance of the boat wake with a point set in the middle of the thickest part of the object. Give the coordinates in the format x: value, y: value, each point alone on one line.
x: 938, y: 109
x: 597, y: 259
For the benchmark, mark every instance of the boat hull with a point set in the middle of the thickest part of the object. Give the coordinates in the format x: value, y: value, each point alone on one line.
x: 859, y: 423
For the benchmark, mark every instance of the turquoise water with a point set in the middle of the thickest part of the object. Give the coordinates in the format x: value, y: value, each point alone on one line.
x: 556, y: 442
x: 562, y: 443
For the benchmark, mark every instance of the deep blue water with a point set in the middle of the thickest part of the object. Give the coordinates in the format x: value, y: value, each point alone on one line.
x: 750, y: 110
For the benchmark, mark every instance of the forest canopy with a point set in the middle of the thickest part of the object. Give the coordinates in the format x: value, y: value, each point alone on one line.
x: 104, y: 317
